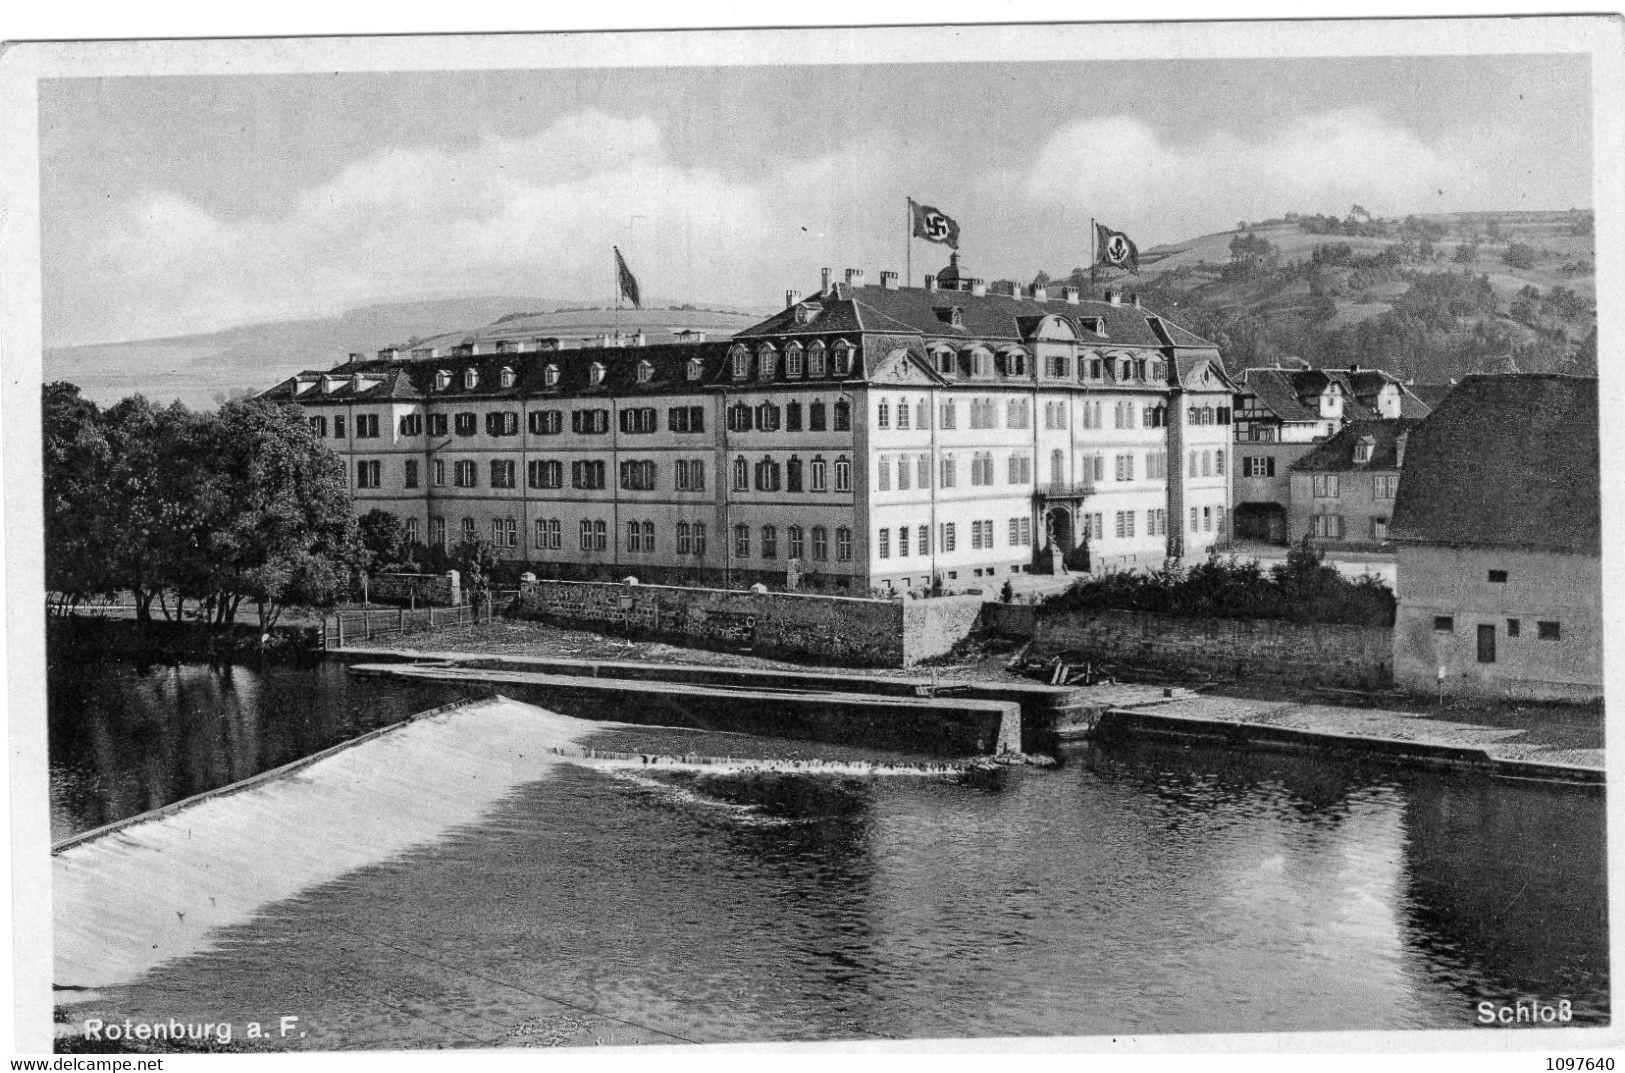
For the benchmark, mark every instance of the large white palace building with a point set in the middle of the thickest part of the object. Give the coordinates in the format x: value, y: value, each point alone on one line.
x: 866, y: 436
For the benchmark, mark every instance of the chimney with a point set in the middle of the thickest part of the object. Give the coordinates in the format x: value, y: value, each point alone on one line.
x: 1069, y: 295
x: 854, y: 277
x: 978, y: 288
x: 1114, y: 297
x: 791, y: 298
x: 1040, y: 294
x: 355, y: 357
x: 1135, y: 298
x: 825, y: 288
x: 640, y: 339
x: 1007, y: 288
x: 888, y: 281
x: 930, y: 282
x: 389, y: 353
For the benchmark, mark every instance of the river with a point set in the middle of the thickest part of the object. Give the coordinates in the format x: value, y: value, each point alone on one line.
x: 1140, y: 889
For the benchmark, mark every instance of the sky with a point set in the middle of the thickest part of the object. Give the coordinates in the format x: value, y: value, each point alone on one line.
x: 182, y: 204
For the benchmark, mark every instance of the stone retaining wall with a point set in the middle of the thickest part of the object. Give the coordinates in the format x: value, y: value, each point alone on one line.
x: 1350, y: 656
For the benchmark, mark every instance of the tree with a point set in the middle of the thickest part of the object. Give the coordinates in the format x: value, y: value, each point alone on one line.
x: 1466, y: 253
x: 1042, y: 279
x: 287, y: 534
x: 477, y: 562
x: 1359, y: 210
x: 75, y: 464
x: 1519, y: 255
x: 383, y: 539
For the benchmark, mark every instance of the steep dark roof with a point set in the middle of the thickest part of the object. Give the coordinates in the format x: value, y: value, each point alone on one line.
x: 994, y: 317
x: 1430, y: 394
x: 1337, y: 453
x: 1506, y: 461
x: 1290, y: 393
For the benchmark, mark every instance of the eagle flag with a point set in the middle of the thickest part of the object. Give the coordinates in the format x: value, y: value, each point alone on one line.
x: 629, y: 282
x: 1117, y: 250
x: 934, y: 225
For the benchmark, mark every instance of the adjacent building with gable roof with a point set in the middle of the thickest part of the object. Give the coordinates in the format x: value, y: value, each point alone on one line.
x: 1499, y: 534
x: 866, y: 436
x: 1343, y: 490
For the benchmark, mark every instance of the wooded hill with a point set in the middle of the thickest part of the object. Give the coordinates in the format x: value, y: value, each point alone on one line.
x: 1424, y: 297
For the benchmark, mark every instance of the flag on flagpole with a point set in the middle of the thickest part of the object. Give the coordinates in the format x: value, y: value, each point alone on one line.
x: 629, y: 282
x: 934, y: 225
x: 1117, y: 250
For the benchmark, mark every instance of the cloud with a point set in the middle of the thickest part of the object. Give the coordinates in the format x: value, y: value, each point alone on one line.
x: 1322, y: 162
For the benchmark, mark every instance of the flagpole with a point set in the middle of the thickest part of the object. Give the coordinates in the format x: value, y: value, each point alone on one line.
x: 616, y: 272
x: 1092, y: 257
x: 908, y: 238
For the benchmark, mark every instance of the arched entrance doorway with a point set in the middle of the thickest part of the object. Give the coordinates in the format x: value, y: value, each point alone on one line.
x: 1260, y: 521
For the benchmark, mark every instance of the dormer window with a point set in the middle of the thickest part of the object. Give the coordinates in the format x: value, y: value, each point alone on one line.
x: 646, y: 372
x: 951, y: 315
x: 442, y: 380
x: 946, y: 365
x: 740, y: 359
x: 507, y: 377
x: 1015, y: 363
x: 816, y: 359
x: 695, y: 367
x: 806, y: 314
x: 1153, y: 370
x: 550, y: 375
x: 766, y: 361
x: 595, y: 373
x: 981, y: 363
x: 1125, y: 370
x: 1362, y: 452
x: 471, y: 379
x: 843, y: 357
x: 793, y: 361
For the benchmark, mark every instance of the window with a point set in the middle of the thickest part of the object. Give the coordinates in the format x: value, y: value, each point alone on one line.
x: 1498, y: 577
x: 885, y: 544
x: 947, y: 480
x: 1379, y: 529
x: 1015, y: 363
x: 318, y: 426
x: 502, y: 473
x: 1015, y: 530
x: 767, y: 475
x: 793, y: 361
x: 589, y: 422
x: 1362, y: 453
x: 544, y: 474
x: 739, y: 361
x: 1156, y: 522
x: 820, y: 471
x: 1255, y: 466
x: 638, y: 420
x: 684, y: 543
x: 741, y: 475
x: 843, y: 416
x: 690, y: 475
x: 411, y: 530
x: 439, y: 473
x: 464, y: 475
x: 550, y: 376
x: 740, y: 417
x: 1122, y: 525
x: 883, y: 414
x: 792, y: 474
x: 338, y: 427
x: 1124, y: 467
x: 546, y: 422
x: 469, y: 532
x: 883, y: 474
x: 981, y: 363
x: 924, y: 471
x: 1207, y: 463
x: 694, y: 368
x: 843, y: 544
x: 1207, y: 521
x: 815, y: 358
x: 1324, y: 485
x: 646, y: 372
x: 843, y: 474
x: 1021, y: 469
x: 505, y: 532
x: 1549, y: 631
x: 699, y: 538
x: 950, y: 414
x: 947, y: 537
x: 1156, y: 465
x: 410, y: 480
x: 1444, y: 623
x: 902, y: 542
x: 437, y: 531
x: 1326, y: 526
x: 742, y: 541
x: 634, y: 537
x: 902, y: 413
x: 587, y: 475
x: 1514, y: 627
x: 1486, y: 643
x: 586, y: 535
x: 366, y: 426
x: 437, y: 424
x: 501, y: 423
x: 924, y: 534
x: 367, y: 475
x: 767, y: 417
x: 1218, y: 462
x: 843, y: 361
x: 815, y: 416
x: 766, y: 362
x: 792, y: 416
x: 820, y: 543
x: 1018, y: 414
x: 549, y: 534
x: 1384, y: 485
x: 595, y: 374
x: 638, y: 475
x: 507, y: 377
x: 466, y: 424
x: 471, y: 379
x: 1194, y: 520
x: 795, y: 541
x: 442, y: 379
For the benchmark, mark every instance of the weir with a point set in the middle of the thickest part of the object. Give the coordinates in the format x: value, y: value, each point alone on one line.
x: 947, y: 723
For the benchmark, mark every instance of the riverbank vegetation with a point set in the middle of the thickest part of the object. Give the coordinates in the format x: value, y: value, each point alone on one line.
x: 1302, y: 589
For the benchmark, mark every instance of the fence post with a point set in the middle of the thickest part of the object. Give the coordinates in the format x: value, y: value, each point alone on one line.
x: 338, y: 620
x: 401, y: 611
x: 366, y: 625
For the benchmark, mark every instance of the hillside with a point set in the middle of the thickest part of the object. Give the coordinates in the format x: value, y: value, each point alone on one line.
x: 202, y: 370
x: 1429, y: 297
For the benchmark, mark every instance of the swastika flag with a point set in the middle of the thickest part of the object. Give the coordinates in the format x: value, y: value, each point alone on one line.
x: 1117, y: 250
x: 934, y: 225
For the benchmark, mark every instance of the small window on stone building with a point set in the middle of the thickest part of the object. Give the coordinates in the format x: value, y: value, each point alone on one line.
x: 1513, y: 627
x: 1549, y: 631
x: 1444, y: 623
x: 1498, y: 577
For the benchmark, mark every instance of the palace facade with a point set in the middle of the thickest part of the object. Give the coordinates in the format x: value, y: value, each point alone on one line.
x: 866, y: 436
